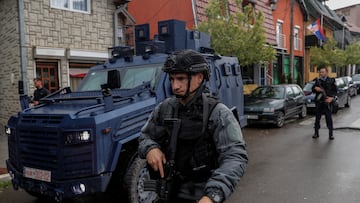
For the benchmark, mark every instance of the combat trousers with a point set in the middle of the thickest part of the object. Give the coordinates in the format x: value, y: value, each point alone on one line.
x: 324, y: 108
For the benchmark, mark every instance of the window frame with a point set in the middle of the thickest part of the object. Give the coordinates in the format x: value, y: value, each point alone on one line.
x: 297, y: 45
x: 70, y: 2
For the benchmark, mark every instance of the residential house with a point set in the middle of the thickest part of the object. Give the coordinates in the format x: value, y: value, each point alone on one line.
x: 333, y: 28
x: 193, y: 12
x: 55, y: 40
x: 350, y: 15
x: 282, y: 17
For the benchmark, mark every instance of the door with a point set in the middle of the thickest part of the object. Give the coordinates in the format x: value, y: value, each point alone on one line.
x: 290, y: 102
x: 299, y: 98
x: 48, y: 72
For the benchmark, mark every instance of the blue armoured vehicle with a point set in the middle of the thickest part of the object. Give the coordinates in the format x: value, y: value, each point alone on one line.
x: 85, y: 141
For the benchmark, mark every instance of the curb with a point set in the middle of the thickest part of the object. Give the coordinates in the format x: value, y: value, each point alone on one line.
x: 346, y: 128
x: 5, y: 177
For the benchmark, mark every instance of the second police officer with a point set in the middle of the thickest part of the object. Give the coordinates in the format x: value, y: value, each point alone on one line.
x: 211, y: 155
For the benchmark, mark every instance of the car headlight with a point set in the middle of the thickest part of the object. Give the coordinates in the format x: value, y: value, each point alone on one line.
x: 8, y: 130
x: 309, y: 100
x: 77, y: 137
x: 269, y: 110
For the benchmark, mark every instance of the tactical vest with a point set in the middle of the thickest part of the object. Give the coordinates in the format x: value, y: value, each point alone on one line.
x: 196, y: 153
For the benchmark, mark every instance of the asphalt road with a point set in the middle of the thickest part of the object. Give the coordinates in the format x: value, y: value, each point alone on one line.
x: 287, y: 165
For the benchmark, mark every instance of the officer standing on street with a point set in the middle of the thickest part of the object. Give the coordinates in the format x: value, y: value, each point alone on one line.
x: 325, y: 90
x: 210, y: 155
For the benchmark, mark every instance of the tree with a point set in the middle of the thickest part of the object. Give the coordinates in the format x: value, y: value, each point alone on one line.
x: 237, y: 33
x: 327, y: 55
x: 352, y: 53
x: 330, y: 55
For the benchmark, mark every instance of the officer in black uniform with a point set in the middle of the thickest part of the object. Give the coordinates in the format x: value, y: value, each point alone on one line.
x: 39, y: 92
x: 211, y: 155
x: 325, y: 90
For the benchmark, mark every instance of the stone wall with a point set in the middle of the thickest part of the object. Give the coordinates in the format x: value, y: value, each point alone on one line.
x: 9, y: 60
x: 56, y: 28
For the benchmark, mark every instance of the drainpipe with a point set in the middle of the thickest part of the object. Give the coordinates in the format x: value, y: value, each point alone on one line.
x: 22, y: 45
x: 194, y: 13
x: 116, y: 24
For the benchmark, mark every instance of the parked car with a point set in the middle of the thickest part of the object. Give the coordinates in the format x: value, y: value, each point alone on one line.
x: 350, y: 84
x: 343, y: 95
x: 309, y: 96
x: 342, y: 98
x: 356, y: 80
x: 275, y: 103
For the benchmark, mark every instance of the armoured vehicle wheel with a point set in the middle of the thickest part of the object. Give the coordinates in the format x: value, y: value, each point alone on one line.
x: 303, y: 112
x: 280, y: 119
x: 348, y: 103
x: 134, y: 178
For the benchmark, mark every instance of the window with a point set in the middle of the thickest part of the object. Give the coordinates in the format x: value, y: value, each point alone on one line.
x: 280, y: 38
x: 289, y: 92
x: 297, y: 41
x: 72, y: 5
x: 297, y: 91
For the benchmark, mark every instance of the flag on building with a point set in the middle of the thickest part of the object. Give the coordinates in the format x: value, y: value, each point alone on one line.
x: 316, y: 28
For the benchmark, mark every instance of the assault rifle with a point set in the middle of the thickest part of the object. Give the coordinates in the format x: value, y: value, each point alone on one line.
x: 163, y: 186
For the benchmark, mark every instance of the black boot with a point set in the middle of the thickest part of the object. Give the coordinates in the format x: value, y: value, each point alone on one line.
x: 316, y: 135
x: 331, y: 136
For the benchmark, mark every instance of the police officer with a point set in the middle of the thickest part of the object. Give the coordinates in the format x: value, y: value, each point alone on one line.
x: 211, y: 155
x: 325, y: 90
x: 39, y: 92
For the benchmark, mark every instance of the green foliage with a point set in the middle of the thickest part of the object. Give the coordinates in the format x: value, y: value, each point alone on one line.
x: 237, y: 33
x: 5, y: 184
x: 330, y: 55
x: 352, y: 53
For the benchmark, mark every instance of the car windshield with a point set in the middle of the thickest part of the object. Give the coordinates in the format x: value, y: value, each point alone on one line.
x: 308, y: 87
x: 269, y: 92
x: 356, y: 77
x: 129, y: 77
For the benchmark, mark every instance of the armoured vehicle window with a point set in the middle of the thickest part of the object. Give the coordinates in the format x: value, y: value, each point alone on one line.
x: 129, y: 77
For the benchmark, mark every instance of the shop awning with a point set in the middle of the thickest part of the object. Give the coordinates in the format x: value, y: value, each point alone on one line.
x: 78, y: 72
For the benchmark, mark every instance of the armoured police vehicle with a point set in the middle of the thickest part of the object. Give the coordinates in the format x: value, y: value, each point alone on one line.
x: 85, y: 141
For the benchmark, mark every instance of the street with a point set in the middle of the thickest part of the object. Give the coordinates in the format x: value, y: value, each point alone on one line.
x: 286, y: 164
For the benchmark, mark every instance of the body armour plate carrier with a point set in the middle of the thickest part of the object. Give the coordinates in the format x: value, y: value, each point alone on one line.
x: 196, y: 154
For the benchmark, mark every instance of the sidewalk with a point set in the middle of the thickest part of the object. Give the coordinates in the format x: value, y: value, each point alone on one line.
x: 4, y: 176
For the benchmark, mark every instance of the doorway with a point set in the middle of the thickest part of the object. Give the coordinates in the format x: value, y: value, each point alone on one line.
x: 48, y: 72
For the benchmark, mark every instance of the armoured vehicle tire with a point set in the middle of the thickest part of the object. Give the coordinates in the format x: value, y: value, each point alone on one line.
x: 135, y: 176
x: 303, y: 112
x: 280, y: 119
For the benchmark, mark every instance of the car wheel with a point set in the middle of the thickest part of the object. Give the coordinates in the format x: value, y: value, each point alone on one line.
x: 303, y: 112
x: 280, y: 119
x: 348, y: 102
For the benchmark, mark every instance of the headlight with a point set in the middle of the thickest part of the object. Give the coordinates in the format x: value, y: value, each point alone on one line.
x: 309, y: 100
x: 8, y: 130
x: 269, y: 110
x: 77, y: 137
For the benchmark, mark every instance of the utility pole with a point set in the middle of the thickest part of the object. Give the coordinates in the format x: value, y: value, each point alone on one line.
x: 292, y: 4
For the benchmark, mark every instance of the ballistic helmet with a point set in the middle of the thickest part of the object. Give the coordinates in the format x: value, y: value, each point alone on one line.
x: 187, y: 61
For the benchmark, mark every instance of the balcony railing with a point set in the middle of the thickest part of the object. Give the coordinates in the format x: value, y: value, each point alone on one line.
x: 281, y: 41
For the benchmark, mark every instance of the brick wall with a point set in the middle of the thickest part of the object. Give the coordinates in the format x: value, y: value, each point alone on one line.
x: 9, y: 60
